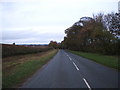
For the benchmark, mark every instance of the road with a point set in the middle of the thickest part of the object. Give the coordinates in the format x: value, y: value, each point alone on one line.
x: 67, y: 70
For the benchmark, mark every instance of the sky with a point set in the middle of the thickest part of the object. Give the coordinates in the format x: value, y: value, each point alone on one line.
x: 40, y: 21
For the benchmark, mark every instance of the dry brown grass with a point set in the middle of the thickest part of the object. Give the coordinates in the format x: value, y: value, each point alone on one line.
x: 11, y: 62
x: 23, y: 66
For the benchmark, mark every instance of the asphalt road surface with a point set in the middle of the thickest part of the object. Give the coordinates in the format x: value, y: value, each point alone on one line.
x: 67, y: 70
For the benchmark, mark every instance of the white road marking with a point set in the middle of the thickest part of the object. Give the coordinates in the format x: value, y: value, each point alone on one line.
x: 78, y: 70
x: 70, y: 59
x: 66, y: 54
x: 87, y: 84
x: 76, y: 66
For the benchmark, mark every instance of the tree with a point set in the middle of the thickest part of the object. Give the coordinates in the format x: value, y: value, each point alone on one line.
x: 112, y: 22
x: 93, y: 35
x: 53, y: 44
x: 13, y: 43
x: 78, y: 35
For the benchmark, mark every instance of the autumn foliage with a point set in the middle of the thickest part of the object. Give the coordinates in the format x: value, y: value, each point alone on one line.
x: 98, y: 34
x: 53, y: 44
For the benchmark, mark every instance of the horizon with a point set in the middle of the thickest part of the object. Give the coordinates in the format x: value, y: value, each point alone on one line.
x: 24, y: 44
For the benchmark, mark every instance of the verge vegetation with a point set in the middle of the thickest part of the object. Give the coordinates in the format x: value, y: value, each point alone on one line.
x: 17, y: 68
x: 110, y: 61
x: 97, y: 34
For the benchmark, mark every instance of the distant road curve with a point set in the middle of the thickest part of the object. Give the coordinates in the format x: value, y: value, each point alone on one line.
x: 67, y: 70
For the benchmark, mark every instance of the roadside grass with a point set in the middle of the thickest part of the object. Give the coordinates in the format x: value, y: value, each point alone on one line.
x: 16, y: 74
x: 110, y: 61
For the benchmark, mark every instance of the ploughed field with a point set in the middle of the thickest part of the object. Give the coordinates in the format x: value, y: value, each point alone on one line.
x: 11, y: 50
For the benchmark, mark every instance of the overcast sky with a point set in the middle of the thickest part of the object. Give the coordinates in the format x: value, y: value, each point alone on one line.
x: 40, y: 21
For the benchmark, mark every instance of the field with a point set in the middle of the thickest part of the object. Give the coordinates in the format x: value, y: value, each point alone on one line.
x: 110, y: 61
x: 16, y: 69
x: 11, y: 50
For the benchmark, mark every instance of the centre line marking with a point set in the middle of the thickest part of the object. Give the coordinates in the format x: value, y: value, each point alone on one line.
x: 70, y: 59
x: 66, y: 54
x: 87, y: 84
x: 76, y: 66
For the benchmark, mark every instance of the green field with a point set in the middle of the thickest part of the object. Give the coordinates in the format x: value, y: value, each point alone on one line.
x: 18, y: 68
x: 110, y: 61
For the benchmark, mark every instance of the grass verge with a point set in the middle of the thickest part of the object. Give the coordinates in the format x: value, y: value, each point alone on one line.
x: 23, y: 69
x: 110, y: 61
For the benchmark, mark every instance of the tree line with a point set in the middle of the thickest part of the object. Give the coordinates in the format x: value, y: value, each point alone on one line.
x: 98, y: 34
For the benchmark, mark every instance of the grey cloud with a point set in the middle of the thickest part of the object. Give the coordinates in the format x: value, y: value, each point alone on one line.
x: 31, y: 37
